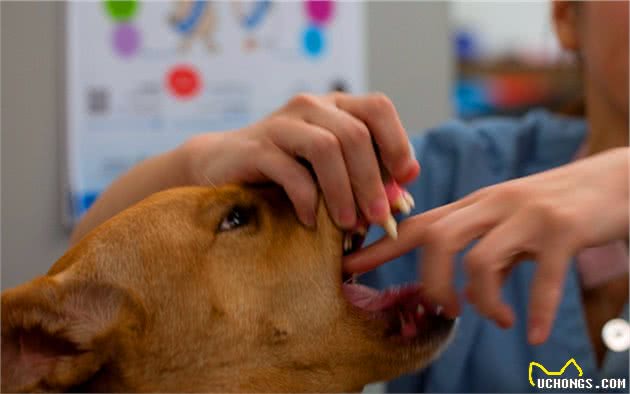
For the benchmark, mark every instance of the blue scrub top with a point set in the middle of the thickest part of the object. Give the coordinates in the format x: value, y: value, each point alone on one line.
x: 458, y: 158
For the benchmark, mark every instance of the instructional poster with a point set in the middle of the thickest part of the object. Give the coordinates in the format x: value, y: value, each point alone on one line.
x: 143, y: 76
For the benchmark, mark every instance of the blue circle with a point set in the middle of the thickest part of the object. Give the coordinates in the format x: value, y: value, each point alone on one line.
x: 314, y: 41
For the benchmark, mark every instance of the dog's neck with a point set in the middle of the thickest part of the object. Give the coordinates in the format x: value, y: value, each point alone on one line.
x: 298, y: 378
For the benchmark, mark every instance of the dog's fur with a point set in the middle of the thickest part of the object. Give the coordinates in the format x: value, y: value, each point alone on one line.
x: 159, y: 299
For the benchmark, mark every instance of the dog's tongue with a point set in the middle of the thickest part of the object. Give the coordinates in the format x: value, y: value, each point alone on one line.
x: 372, y: 300
x: 404, y: 303
x: 408, y: 326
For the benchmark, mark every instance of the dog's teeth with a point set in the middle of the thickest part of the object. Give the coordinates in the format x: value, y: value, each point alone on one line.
x: 420, y: 310
x: 390, y: 227
x: 438, y: 310
x: 347, y: 242
x: 402, y: 204
x: 409, y: 198
x: 353, y: 278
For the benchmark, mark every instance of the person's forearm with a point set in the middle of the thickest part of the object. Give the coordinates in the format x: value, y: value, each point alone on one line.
x: 161, y: 172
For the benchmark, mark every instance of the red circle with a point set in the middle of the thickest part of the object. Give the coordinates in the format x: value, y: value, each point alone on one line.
x: 183, y: 81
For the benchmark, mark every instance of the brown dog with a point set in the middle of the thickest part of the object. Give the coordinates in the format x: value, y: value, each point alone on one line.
x: 202, y: 289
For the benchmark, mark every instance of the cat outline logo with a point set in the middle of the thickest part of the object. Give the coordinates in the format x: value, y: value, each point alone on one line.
x: 552, y: 373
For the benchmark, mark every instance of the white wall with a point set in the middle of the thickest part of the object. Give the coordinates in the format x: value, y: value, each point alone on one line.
x: 32, y: 233
x: 522, y: 27
x: 409, y: 59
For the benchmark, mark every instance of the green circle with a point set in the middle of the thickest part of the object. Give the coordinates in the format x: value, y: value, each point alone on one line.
x: 121, y: 10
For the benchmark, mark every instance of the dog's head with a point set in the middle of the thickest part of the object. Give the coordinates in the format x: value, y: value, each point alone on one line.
x: 205, y: 289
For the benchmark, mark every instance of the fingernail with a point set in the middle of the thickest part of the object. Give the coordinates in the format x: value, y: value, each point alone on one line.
x: 412, y: 172
x: 379, y: 209
x: 468, y: 295
x: 504, y: 323
x: 309, y: 220
x: 412, y: 151
x: 535, y: 334
x: 507, y: 317
x: 347, y: 217
x: 451, y: 309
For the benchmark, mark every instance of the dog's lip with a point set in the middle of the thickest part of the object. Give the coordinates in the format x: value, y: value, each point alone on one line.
x: 405, y: 310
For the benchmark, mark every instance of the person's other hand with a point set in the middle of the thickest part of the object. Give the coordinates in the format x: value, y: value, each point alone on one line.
x: 546, y: 217
x: 333, y: 133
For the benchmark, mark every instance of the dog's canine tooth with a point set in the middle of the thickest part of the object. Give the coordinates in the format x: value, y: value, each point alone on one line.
x: 390, y: 227
x: 352, y: 279
x: 402, y: 204
x: 438, y: 310
x: 409, y: 198
x: 419, y: 310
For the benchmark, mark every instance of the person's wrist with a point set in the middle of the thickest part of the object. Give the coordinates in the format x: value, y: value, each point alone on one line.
x: 188, y: 158
x: 195, y: 154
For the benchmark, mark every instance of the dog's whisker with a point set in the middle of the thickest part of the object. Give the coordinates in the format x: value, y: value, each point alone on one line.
x: 209, y: 181
x: 353, y: 278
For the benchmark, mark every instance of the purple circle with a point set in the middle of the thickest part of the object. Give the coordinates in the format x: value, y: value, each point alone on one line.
x: 320, y: 11
x: 126, y: 40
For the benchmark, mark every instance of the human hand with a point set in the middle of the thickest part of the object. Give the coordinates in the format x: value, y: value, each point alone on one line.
x: 334, y: 134
x: 546, y: 217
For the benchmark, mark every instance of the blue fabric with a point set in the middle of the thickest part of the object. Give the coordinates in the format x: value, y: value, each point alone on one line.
x: 458, y: 158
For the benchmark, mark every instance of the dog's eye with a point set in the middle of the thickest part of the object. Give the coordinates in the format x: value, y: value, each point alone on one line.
x: 237, y: 217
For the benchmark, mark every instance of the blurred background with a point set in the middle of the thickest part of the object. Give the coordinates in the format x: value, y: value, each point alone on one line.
x: 90, y: 88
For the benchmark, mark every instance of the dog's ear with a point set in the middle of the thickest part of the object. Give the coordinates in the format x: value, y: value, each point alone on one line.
x: 57, y: 334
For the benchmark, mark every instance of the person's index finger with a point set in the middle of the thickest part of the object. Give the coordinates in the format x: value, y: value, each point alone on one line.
x: 409, y: 237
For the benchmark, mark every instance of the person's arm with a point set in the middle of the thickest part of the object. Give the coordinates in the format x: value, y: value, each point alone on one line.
x: 546, y: 217
x: 152, y: 175
x: 333, y: 133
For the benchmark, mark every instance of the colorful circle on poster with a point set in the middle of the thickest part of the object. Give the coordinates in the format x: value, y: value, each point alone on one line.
x: 121, y: 10
x: 313, y: 41
x: 183, y: 82
x: 320, y: 11
x: 126, y: 40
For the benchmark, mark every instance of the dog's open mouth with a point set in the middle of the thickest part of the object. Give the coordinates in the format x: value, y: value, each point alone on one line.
x: 407, y: 313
